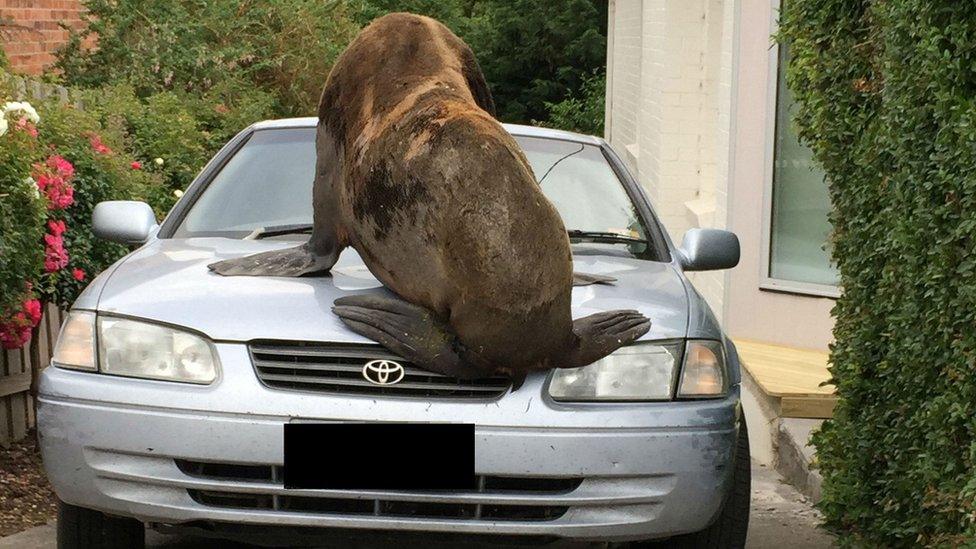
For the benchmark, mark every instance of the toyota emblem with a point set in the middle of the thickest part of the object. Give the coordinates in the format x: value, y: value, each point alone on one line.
x: 383, y: 372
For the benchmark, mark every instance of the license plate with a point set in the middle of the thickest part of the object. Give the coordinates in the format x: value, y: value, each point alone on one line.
x: 379, y: 456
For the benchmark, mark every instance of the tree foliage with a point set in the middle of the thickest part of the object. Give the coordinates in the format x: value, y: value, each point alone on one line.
x: 585, y: 113
x: 224, y: 47
x: 887, y: 100
x: 532, y: 53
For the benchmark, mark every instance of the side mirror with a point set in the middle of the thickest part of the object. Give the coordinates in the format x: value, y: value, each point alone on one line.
x: 123, y: 221
x: 709, y: 250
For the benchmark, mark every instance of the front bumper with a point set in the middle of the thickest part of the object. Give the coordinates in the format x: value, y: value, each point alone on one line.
x: 121, y: 446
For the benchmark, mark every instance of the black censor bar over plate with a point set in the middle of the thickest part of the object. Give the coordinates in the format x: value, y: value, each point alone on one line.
x: 379, y: 456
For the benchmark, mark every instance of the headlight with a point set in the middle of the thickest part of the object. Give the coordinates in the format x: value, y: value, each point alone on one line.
x: 139, y: 349
x: 703, y: 374
x: 76, y: 342
x: 636, y: 372
x: 134, y: 349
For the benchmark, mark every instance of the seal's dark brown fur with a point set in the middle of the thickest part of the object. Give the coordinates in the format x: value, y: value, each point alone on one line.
x: 415, y: 173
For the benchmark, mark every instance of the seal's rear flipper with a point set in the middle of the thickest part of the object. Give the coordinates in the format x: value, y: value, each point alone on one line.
x: 298, y: 261
x: 603, y: 333
x: 584, y: 279
x: 410, y: 331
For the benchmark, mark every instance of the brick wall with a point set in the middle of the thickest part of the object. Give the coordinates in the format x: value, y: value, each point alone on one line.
x: 30, y: 33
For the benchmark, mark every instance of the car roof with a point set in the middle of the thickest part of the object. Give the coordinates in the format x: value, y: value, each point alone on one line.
x: 514, y: 129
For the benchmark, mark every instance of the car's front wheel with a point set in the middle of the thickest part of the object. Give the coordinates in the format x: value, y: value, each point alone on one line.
x: 80, y: 528
x: 730, y: 528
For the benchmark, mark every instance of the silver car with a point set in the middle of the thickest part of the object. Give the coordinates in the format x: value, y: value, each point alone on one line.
x: 171, y: 385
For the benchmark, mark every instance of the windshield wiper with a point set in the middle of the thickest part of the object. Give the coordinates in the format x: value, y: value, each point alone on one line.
x: 279, y: 230
x: 598, y: 236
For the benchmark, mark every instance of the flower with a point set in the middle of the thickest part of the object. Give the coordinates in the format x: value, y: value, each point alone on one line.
x: 22, y: 107
x: 52, y: 179
x: 60, y: 165
x: 178, y: 193
x: 78, y: 274
x: 158, y: 161
x: 14, y: 333
x: 135, y: 165
x: 55, y: 256
x: 59, y: 194
x: 95, y: 141
x: 3, y: 125
x: 32, y: 308
x: 25, y: 126
x: 57, y: 227
x: 32, y: 187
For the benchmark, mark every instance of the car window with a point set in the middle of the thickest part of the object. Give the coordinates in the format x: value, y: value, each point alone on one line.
x: 268, y: 183
x: 578, y: 180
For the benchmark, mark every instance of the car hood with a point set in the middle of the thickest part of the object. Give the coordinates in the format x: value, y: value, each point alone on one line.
x: 168, y: 281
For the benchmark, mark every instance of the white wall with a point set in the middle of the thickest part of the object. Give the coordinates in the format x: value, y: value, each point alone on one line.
x: 669, y: 98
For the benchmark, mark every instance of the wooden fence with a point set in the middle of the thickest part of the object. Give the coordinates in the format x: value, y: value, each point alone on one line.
x: 18, y: 368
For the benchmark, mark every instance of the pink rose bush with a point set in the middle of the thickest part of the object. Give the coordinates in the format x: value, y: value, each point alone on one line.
x: 23, y: 210
x: 52, y: 173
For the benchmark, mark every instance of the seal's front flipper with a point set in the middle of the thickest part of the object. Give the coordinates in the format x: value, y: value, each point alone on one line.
x: 410, y: 331
x: 603, y: 333
x: 584, y: 279
x: 298, y: 261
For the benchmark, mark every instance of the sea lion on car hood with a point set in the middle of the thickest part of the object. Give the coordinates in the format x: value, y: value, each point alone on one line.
x: 415, y: 173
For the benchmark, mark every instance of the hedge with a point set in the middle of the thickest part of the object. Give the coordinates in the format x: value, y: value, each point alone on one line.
x: 886, y: 96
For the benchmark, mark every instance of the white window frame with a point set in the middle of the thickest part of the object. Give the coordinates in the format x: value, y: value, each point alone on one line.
x: 767, y: 282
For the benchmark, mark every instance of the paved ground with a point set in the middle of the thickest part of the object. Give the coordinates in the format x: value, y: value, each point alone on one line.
x: 780, y: 516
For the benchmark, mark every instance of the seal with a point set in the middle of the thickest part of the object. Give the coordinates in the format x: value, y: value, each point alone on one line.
x: 415, y: 173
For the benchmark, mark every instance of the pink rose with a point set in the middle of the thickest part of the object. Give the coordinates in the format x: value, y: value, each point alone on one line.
x: 16, y: 332
x: 64, y: 168
x: 55, y: 256
x: 25, y: 125
x: 32, y: 307
x: 57, y: 227
x: 95, y: 141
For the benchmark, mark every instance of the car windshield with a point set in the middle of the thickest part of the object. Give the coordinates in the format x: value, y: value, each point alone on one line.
x: 266, y: 186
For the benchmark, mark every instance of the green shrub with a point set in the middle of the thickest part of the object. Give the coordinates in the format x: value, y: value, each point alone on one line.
x: 532, y: 53
x: 887, y: 100
x: 173, y: 134
x: 585, y: 113
x: 284, y: 47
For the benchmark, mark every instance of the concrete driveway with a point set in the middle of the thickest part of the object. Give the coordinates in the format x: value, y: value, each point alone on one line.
x: 780, y: 516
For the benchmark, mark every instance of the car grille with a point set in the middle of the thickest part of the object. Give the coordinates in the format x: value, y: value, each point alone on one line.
x: 338, y: 369
x: 482, y: 504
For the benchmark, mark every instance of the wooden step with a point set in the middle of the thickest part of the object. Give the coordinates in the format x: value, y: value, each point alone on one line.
x: 795, y: 379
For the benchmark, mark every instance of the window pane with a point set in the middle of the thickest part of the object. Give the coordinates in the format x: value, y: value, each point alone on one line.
x: 800, y: 202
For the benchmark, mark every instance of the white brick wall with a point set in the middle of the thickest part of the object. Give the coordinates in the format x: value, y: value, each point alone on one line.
x: 669, y: 103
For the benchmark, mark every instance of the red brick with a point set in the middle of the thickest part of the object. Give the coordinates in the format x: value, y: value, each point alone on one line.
x: 31, y: 49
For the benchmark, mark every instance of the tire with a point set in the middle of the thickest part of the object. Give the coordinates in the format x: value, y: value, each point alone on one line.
x: 80, y: 528
x: 730, y: 528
